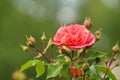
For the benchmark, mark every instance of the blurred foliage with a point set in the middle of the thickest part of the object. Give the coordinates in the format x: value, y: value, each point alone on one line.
x: 23, y: 17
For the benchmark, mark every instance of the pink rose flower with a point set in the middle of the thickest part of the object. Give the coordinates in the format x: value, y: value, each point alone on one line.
x: 74, y: 37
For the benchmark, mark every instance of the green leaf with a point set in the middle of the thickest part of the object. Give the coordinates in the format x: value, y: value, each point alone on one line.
x: 28, y: 64
x: 54, y: 70
x: 97, y: 54
x: 103, y: 70
x: 66, y: 72
x: 93, y: 74
x: 75, y: 78
x: 40, y: 68
x: 48, y: 45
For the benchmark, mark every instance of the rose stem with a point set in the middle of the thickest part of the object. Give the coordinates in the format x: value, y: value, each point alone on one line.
x: 51, y: 53
x: 108, y: 67
x: 69, y: 56
x: 58, y: 78
x: 83, y: 52
x: 83, y: 76
x: 113, y: 67
x: 44, y: 45
x: 72, y: 54
x: 32, y: 53
x: 43, y: 55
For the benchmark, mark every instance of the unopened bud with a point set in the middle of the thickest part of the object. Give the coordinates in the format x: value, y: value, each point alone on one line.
x: 25, y: 48
x: 74, y: 71
x: 43, y: 38
x: 85, y: 66
x: 18, y: 76
x: 50, y: 42
x: 87, y: 23
x: 98, y: 34
x: 31, y: 42
x: 116, y: 48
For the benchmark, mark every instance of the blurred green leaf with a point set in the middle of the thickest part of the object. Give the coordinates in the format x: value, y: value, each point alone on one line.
x: 48, y: 45
x: 28, y: 64
x: 97, y: 54
x: 103, y: 70
x: 92, y: 73
x: 66, y: 72
x: 40, y: 68
x: 54, y: 69
x: 75, y: 78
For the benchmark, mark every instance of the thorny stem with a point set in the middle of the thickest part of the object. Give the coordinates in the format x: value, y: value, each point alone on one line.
x: 44, y: 46
x: 83, y: 76
x: 69, y: 56
x: 32, y: 53
x: 108, y: 67
x: 112, y: 67
x: 43, y: 55
x: 116, y: 65
x: 72, y: 54
x: 59, y: 78
x: 51, y: 53
x: 83, y: 52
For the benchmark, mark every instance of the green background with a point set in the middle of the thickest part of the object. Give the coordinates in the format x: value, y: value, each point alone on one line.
x: 24, y: 17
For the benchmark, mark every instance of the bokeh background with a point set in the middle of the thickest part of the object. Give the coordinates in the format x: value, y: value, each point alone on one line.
x: 24, y: 17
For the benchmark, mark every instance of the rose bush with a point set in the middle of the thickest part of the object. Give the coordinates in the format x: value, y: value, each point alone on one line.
x: 74, y: 41
x: 74, y: 36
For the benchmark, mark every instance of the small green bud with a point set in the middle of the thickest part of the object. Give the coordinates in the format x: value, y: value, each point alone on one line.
x: 85, y: 66
x: 50, y: 42
x: 98, y: 34
x: 31, y: 42
x: 87, y: 23
x: 116, y: 48
x: 25, y: 48
x: 43, y: 38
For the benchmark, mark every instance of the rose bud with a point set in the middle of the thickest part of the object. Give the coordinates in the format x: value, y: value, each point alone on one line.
x: 116, y: 48
x: 74, y: 71
x: 25, y: 48
x: 85, y: 66
x: 98, y: 34
x: 31, y: 42
x: 43, y: 38
x: 50, y: 42
x: 87, y: 23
